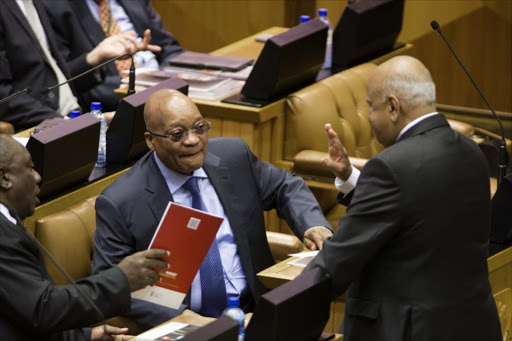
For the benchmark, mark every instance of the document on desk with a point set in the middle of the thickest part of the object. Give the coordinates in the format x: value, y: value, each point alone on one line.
x: 304, y: 258
x: 169, y: 331
x: 187, y: 234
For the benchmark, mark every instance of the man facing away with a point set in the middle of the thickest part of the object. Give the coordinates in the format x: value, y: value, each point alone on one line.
x: 231, y: 182
x: 32, y: 306
x: 411, y: 251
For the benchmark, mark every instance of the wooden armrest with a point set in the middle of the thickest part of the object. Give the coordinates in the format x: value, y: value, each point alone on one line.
x: 281, y: 245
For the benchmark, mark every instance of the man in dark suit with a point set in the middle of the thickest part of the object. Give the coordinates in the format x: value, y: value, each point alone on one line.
x: 412, y: 248
x: 32, y: 307
x: 30, y: 56
x: 233, y: 184
x: 78, y: 29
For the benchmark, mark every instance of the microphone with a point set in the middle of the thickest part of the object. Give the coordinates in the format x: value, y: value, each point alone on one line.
x: 19, y: 222
x: 131, y: 79
x: 131, y: 84
x: 502, y: 163
x: 27, y: 90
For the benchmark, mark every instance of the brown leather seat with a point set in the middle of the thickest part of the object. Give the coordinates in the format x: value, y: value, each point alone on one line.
x: 341, y: 101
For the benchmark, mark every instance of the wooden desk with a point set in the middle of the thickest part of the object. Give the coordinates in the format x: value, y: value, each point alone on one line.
x: 283, y: 272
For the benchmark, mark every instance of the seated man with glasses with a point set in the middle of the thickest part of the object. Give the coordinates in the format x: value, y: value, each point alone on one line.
x: 221, y: 176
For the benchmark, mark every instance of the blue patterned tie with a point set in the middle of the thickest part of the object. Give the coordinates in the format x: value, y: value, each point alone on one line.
x: 213, y: 288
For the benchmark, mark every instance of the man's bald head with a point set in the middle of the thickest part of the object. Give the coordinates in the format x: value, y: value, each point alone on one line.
x: 8, y: 148
x: 165, y: 102
x: 400, y: 90
x: 408, y: 79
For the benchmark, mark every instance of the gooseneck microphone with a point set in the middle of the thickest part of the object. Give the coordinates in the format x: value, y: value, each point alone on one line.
x: 19, y: 222
x: 131, y: 83
x: 27, y: 90
x: 502, y: 157
x: 131, y: 79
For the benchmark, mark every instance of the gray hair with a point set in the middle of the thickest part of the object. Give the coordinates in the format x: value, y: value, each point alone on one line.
x: 410, y: 88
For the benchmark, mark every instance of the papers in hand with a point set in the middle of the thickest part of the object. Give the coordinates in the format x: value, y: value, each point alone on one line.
x: 187, y: 233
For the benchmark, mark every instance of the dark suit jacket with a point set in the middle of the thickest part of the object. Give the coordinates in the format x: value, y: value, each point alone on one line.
x: 412, y: 248
x: 22, y: 63
x: 32, y: 307
x: 129, y: 210
x: 78, y: 33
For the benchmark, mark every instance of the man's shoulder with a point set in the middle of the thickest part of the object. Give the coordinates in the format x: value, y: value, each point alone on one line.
x: 226, y: 144
x: 134, y: 179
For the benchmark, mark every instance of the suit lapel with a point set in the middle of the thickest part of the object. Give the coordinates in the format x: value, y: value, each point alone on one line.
x: 94, y: 32
x: 156, y: 185
x: 18, y: 14
x: 135, y: 13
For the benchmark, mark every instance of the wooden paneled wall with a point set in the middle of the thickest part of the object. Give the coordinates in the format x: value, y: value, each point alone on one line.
x: 479, y: 30
x: 483, y: 41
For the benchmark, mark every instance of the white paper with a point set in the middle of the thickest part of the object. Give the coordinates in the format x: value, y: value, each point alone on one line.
x: 304, y: 254
x: 159, y: 295
x: 155, y: 333
x: 22, y: 140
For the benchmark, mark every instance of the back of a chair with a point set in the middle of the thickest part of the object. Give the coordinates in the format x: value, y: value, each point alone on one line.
x: 339, y: 100
x: 68, y: 236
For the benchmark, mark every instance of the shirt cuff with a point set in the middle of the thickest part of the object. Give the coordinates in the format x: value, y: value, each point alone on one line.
x: 346, y: 187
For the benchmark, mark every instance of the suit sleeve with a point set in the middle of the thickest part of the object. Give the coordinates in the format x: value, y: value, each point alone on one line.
x: 289, y: 195
x: 34, y: 303
x: 113, y: 242
x: 160, y: 36
x: 372, y: 219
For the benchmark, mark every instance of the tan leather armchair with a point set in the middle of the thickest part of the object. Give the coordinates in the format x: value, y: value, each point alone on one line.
x: 68, y: 236
x: 341, y: 101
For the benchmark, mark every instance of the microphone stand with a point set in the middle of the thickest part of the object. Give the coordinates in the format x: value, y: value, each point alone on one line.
x: 131, y: 86
x: 27, y: 90
x: 502, y: 156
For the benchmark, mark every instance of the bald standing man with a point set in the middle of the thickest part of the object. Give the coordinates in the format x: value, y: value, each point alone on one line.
x: 232, y: 183
x: 32, y: 306
x: 411, y: 253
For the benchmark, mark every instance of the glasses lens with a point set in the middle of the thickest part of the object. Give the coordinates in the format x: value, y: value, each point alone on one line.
x: 202, y: 128
x: 177, y: 136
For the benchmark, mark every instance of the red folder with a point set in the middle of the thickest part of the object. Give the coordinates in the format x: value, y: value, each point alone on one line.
x: 187, y: 233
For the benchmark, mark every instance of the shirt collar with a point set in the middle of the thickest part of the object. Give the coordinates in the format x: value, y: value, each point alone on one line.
x: 5, y: 211
x: 413, y: 123
x: 174, y: 179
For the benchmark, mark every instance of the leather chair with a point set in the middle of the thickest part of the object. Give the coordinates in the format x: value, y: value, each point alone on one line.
x: 68, y: 236
x: 341, y: 101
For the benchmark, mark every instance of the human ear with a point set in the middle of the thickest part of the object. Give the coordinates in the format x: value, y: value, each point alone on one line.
x: 149, y: 141
x: 394, y: 107
x: 5, y: 182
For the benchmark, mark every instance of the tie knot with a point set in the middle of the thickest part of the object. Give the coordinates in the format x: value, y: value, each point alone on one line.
x: 191, y: 185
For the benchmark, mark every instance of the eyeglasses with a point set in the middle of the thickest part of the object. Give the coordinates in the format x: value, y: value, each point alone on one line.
x: 178, y: 136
